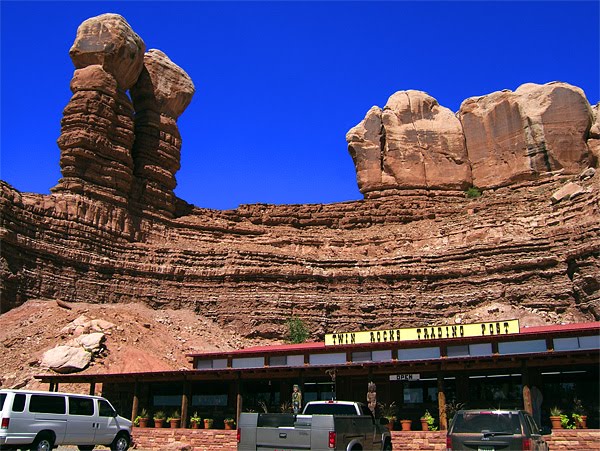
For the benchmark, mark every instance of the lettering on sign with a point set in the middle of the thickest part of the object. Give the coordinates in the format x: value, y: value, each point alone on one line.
x: 424, y: 333
x: 405, y: 377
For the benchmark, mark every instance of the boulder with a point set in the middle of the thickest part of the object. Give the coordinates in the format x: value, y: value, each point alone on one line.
x: 570, y: 190
x: 516, y: 136
x: 93, y: 342
x: 66, y: 359
x: 412, y: 143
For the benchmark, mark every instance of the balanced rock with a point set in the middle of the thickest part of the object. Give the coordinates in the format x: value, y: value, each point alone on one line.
x: 160, y: 95
x: 97, y: 132
x: 412, y: 143
x: 66, y: 359
x: 516, y: 136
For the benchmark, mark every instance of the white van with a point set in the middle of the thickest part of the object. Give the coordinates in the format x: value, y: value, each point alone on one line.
x: 39, y: 420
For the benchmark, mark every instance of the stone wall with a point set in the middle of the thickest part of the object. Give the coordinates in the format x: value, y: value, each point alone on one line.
x: 206, y: 440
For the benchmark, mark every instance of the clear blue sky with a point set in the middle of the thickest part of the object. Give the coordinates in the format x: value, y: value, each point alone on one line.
x: 278, y: 84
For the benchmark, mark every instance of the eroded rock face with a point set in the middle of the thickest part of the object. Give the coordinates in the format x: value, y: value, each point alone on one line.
x: 412, y: 143
x: 162, y: 92
x: 522, y: 135
x: 494, y: 140
x: 97, y: 132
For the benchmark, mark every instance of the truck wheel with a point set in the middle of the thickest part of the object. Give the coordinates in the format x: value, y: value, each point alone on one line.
x: 120, y: 443
x: 43, y: 442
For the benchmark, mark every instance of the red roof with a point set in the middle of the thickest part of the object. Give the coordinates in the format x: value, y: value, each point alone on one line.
x: 303, y: 347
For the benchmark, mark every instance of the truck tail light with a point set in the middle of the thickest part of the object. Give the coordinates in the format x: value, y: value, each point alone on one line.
x: 448, y: 443
x: 526, y: 444
x: 5, y: 422
x: 239, y: 435
x: 331, y: 439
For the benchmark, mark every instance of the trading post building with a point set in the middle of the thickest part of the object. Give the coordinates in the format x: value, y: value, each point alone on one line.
x: 496, y: 364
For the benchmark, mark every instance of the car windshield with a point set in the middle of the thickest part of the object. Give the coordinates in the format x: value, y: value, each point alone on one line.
x: 2, y: 398
x: 330, y: 409
x: 487, y: 422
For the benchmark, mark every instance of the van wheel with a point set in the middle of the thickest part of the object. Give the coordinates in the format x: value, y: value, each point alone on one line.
x: 43, y: 442
x: 121, y: 443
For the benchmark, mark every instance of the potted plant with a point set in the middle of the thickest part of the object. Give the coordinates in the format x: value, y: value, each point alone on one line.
x: 389, y: 411
x: 427, y: 422
x: 208, y: 423
x: 555, y: 414
x: 565, y: 423
x: 195, y: 421
x: 159, y: 419
x: 229, y: 423
x: 142, y: 419
x: 175, y: 419
x: 578, y: 415
x: 406, y: 424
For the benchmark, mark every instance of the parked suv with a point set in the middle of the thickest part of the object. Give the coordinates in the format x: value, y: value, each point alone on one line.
x: 491, y: 430
x: 39, y: 421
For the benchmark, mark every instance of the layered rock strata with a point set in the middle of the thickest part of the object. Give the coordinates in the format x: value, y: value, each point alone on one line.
x: 98, y: 156
x: 495, y: 140
x: 160, y: 95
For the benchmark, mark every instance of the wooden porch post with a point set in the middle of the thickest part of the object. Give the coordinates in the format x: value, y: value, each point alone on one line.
x: 92, y: 388
x: 136, y: 401
x: 442, y: 402
x: 527, y: 404
x: 239, y: 400
x: 185, y: 399
x: 51, y: 386
x: 56, y: 386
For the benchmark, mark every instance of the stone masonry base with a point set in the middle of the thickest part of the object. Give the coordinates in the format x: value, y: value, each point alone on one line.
x: 150, y: 439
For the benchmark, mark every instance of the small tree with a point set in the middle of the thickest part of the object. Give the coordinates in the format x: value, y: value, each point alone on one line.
x: 473, y: 192
x: 297, y: 330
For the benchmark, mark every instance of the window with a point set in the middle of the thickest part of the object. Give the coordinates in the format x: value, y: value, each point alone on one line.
x: 382, y: 356
x: 571, y: 343
x: 278, y: 360
x: 362, y: 356
x: 2, y: 398
x: 81, y: 406
x: 419, y: 353
x: 248, y: 362
x: 19, y: 403
x: 47, y: 404
x: 413, y: 395
x: 327, y: 359
x: 211, y: 364
x: 522, y: 347
x: 105, y: 409
x: 473, y: 350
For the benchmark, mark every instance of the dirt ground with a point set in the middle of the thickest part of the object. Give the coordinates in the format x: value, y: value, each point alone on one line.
x: 143, y: 339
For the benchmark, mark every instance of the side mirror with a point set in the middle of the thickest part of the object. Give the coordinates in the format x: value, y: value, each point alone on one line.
x: 384, y: 421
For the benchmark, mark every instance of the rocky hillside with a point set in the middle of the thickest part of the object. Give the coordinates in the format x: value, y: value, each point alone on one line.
x: 497, y: 205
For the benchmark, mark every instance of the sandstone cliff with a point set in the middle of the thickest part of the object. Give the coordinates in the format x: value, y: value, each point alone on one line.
x: 415, y: 251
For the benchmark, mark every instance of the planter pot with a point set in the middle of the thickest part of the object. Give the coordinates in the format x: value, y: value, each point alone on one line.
x: 158, y: 423
x: 208, y: 424
x: 195, y: 425
x: 424, y: 425
x: 144, y: 422
x: 583, y: 423
x: 175, y: 423
x: 390, y: 425
x: 406, y: 424
x: 229, y: 426
x: 555, y: 420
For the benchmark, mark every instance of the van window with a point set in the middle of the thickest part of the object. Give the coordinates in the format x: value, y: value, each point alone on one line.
x: 105, y: 409
x: 81, y: 406
x: 2, y: 398
x: 47, y: 404
x: 19, y: 403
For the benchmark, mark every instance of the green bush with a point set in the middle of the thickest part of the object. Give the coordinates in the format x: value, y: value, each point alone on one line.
x: 473, y: 192
x: 297, y: 330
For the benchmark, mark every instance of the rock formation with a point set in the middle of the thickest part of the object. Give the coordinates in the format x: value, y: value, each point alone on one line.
x: 415, y: 251
x: 162, y: 92
x: 98, y: 156
x: 495, y: 140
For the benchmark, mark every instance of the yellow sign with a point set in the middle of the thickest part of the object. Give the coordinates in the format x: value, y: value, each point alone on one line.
x: 427, y: 333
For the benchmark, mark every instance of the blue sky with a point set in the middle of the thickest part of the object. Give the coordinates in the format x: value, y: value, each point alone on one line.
x: 278, y: 84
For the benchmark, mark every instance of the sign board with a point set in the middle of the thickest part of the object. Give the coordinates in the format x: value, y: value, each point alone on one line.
x: 405, y: 377
x: 427, y: 333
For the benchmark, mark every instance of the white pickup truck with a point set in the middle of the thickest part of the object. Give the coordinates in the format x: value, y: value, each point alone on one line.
x: 323, y: 425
